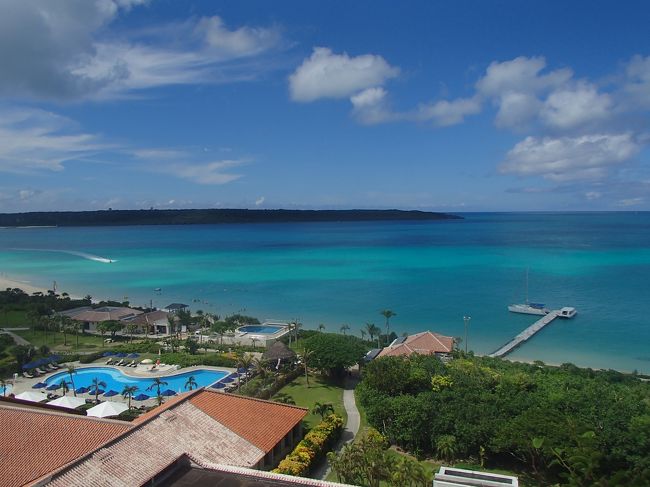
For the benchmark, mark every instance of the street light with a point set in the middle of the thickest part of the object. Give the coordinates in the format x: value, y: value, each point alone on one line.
x: 466, y: 320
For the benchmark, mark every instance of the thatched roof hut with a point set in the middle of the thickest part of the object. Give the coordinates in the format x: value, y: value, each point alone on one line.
x: 278, y: 351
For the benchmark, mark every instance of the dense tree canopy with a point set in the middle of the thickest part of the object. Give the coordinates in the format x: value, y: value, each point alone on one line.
x: 561, y: 424
x: 333, y: 353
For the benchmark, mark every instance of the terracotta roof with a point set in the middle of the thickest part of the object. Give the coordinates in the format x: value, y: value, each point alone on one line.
x: 35, y: 442
x: 424, y: 343
x: 149, y: 448
x: 263, y: 423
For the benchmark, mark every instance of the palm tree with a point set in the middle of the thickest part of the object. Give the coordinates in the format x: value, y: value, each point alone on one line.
x: 370, y: 328
x: 64, y: 387
x: 306, y: 356
x: 345, y: 328
x: 323, y: 409
x: 191, y: 383
x: 284, y: 398
x: 388, y: 314
x: 261, y: 367
x: 321, y: 327
x: 157, y: 383
x: 129, y: 392
x: 71, y: 371
x: 96, y: 385
x: 363, y: 334
x: 66, y: 325
x: 243, y: 361
x: 446, y: 447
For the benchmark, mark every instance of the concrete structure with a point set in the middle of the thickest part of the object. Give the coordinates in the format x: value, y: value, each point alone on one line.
x: 458, y: 477
x: 91, y: 317
x: 176, y: 307
x: 424, y: 343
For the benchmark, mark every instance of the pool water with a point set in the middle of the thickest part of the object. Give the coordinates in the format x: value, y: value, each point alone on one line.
x: 116, y: 380
x: 263, y: 329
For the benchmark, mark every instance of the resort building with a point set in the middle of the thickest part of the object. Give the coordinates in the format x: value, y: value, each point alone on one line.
x: 202, y: 429
x: 176, y: 307
x: 458, y: 477
x: 91, y: 317
x: 424, y: 343
x: 154, y: 322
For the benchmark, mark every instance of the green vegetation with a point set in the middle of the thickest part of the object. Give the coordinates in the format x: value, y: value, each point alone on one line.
x: 561, y: 425
x: 369, y: 462
x: 332, y: 354
x: 320, y: 390
x: 312, y: 447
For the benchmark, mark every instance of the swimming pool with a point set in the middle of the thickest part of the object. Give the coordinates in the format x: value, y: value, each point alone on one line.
x: 116, y: 380
x: 262, y: 329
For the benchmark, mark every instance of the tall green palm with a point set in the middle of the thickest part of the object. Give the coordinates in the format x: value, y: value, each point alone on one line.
x: 306, y: 357
x: 157, y: 383
x: 71, y: 371
x: 191, y: 383
x: 65, y: 325
x: 321, y: 327
x: 345, y: 328
x: 129, y: 392
x: 64, y: 387
x: 262, y: 368
x: 243, y: 361
x: 370, y: 328
x: 388, y: 314
x: 323, y: 409
x: 363, y: 334
x: 96, y: 385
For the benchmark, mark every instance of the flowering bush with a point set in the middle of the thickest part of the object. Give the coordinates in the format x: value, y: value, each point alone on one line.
x: 312, y: 447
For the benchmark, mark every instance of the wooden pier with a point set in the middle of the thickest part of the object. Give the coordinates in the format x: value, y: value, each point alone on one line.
x: 526, y: 334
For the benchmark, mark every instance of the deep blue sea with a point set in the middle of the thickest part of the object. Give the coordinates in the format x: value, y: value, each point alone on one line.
x: 430, y: 273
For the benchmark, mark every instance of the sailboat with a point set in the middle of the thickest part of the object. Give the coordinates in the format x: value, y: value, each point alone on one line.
x: 527, y: 307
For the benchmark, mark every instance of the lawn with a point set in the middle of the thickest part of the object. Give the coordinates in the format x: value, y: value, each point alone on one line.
x: 319, y: 390
x: 55, y: 340
x: 13, y: 318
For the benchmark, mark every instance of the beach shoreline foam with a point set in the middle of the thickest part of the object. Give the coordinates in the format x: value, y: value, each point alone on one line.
x: 7, y: 282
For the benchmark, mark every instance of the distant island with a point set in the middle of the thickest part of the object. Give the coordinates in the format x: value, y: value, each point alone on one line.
x: 207, y: 216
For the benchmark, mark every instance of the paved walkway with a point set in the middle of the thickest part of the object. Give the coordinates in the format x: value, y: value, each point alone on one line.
x: 351, y: 427
x: 18, y: 340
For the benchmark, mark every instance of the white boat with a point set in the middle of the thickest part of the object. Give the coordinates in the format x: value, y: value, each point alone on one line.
x: 567, y: 312
x: 529, y: 308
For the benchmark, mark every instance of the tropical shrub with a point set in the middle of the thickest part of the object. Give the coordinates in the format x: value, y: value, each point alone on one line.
x: 312, y: 447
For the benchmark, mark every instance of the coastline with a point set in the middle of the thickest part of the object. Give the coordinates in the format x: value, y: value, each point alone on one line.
x: 26, y: 286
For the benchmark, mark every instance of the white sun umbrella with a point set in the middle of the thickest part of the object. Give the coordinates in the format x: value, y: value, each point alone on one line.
x: 68, y: 402
x: 107, y: 408
x: 32, y: 396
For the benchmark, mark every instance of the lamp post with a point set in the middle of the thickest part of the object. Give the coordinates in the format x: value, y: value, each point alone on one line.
x: 466, y: 320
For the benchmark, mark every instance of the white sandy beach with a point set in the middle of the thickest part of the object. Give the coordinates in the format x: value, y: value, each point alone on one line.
x: 29, y: 288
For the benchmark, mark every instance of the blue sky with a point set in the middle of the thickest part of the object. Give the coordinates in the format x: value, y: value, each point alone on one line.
x: 450, y: 106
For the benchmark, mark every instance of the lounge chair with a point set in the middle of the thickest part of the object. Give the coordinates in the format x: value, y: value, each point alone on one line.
x: 109, y: 361
x: 27, y: 376
x: 133, y: 364
x: 121, y: 362
x: 40, y: 371
x: 55, y: 365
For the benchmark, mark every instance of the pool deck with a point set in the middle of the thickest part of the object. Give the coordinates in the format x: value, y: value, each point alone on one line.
x: 23, y: 384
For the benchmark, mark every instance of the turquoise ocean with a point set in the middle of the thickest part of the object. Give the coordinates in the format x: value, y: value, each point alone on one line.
x: 430, y: 273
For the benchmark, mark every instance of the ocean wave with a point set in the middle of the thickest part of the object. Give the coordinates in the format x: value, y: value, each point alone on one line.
x: 85, y: 255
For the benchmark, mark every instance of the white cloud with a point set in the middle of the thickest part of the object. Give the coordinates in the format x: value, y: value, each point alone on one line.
x: 637, y: 84
x: 520, y: 75
x: 329, y: 75
x: 631, y: 201
x: 370, y: 106
x: 569, y: 158
x: 259, y: 201
x: 516, y: 109
x: 65, y: 49
x: 444, y: 113
x: 593, y: 195
x: 203, y: 173
x: 581, y: 105
x: 32, y: 139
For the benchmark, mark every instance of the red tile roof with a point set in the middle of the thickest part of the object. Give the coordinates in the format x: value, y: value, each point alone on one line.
x: 424, y: 343
x: 29, y: 450
x: 263, y: 423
